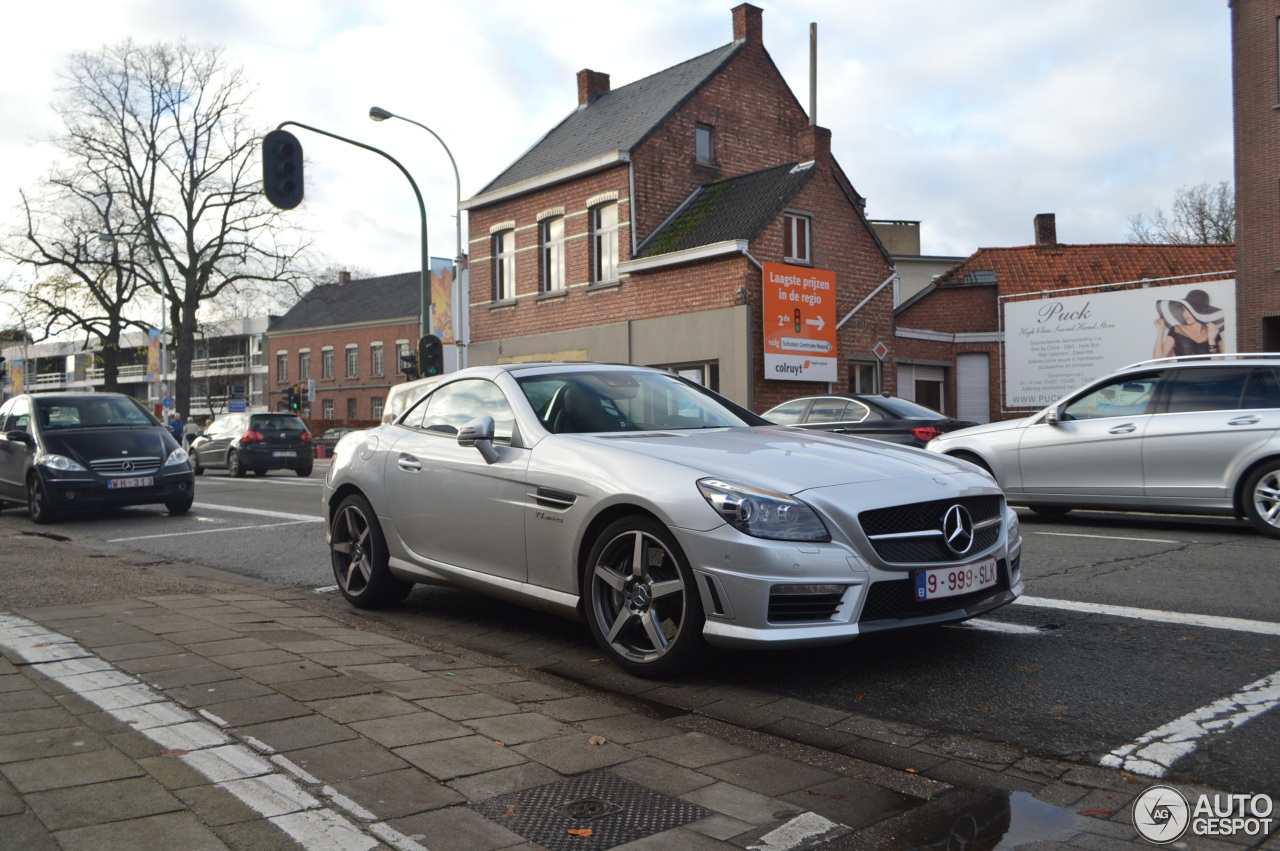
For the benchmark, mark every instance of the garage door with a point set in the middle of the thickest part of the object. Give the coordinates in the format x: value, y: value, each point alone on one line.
x: 973, y: 387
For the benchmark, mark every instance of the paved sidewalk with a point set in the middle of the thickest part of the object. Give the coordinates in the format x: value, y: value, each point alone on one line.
x: 246, y: 720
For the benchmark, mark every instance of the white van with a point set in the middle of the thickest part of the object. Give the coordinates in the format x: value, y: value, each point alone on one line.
x: 401, y: 396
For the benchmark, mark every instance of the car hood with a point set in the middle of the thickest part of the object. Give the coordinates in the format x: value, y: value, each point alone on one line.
x: 787, y: 460
x: 978, y: 430
x: 91, y: 444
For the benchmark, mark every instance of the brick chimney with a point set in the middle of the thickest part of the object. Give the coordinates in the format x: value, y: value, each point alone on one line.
x: 746, y: 23
x: 591, y: 85
x: 814, y: 144
x: 1046, y: 230
x: 344, y: 277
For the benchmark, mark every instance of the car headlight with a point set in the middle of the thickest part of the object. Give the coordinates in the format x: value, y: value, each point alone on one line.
x: 59, y: 462
x: 177, y: 456
x: 763, y: 513
x: 1013, y: 526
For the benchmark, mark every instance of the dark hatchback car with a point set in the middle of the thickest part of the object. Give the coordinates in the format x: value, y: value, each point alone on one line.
x: 258, y: 442
x: 882, y: 417
x: 78, y: 451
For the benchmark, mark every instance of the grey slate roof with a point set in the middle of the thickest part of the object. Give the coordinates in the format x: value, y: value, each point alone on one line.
x: 388, y: 297
x: 733, y: 208
x: 617, y: 121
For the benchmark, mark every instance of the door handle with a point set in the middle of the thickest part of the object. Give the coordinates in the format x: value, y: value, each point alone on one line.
x: 1244, y: 421
x: 1124, y: 429
x: 408, y: 463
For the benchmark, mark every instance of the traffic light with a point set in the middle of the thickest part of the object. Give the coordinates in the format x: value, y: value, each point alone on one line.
x: 430, y: 355
x: 282, y: 169
x: 295, y: 398
x: 409, y: 366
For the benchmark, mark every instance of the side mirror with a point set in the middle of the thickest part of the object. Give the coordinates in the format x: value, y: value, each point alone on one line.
x: 1052, y: 416
x: 20, y: 437
x: 479, y: 433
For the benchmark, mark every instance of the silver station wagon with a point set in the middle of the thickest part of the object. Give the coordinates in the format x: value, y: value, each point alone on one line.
x: 1198, y: 434
x: 669, y: 518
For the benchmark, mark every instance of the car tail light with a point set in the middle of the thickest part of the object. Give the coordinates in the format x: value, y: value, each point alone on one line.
x: 251, y: 437
x: 926, y: 433
x: 306, y: 437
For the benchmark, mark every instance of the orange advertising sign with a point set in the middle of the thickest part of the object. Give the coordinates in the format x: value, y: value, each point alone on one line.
x: 799, y: 323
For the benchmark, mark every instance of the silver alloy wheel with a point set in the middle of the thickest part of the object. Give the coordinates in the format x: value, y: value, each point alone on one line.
x: 1266, y: 498
x: 352, y: 548
x: 638, y: 597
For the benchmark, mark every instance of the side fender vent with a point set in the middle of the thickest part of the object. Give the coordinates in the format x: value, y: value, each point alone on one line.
x: 549, y: 498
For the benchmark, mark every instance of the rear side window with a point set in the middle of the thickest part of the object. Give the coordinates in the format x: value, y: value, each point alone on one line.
x: 1193, y: 390
x: 265, y: 422
x: 788, y: 413
x: 1262, y: 390
x: 827, y: 411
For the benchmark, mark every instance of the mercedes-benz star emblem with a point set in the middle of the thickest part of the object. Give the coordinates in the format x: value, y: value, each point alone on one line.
x: 127, y: 466
x: 957, y: 529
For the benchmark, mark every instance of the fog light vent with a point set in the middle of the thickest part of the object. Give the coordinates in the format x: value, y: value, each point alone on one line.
x: 792, y: 603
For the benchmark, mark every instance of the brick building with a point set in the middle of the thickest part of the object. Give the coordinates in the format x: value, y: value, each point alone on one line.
x: 1255, y: 45
x: 950, y: 337
x: 348, y: 337
x: 637, y: 230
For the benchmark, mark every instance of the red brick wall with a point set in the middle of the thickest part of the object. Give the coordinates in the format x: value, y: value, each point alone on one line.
x: 1257, y: 166
x: 363, y: 388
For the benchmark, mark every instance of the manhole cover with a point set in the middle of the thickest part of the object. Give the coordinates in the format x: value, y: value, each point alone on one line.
x: 617, y: 811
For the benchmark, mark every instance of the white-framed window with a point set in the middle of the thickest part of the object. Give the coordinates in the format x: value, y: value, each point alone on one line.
x: 353, y: 361
x: 552, y: 230
x: 377, y: 407
x: 504, y: 265
x: 282, y: 366
x: 375, y: 359
x: 705, y: 144
x: 326, y: 362
x: 604, y: 242
x: 327, y: 407
x: 402, y: 352
x: 795, y: 237
x: 304, y: 364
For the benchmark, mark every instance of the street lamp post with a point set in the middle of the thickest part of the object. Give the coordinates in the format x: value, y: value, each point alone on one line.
x: 377, y: 113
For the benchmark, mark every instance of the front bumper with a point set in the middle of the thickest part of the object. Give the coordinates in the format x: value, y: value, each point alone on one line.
x: 81, y: 492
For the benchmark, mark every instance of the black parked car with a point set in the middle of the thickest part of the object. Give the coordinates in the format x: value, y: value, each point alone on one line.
x: 74, y: 451
x: 882, y: 417
x: 258, y: 442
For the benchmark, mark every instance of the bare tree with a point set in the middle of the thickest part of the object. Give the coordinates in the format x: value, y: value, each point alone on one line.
x: 165, y: 127
x: 1201, y: 214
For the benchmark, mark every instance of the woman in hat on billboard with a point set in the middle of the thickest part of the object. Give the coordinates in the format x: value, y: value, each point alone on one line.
x: 1189, y: 327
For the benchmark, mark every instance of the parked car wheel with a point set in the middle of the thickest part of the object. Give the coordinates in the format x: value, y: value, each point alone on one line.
x: 38, y: 503
x: 303, y: 472
x: 234, y: 466
x: 359, y: 556
x: 180, y: 506
x: 642, y: 605
x: 195, y: 466
x: 1262, y: 499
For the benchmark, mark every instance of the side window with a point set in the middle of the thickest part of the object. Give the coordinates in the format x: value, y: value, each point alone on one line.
x: 1262, y: 390
x: 788, y: 413
x: 827, y: 410
x: 1207, y: 389
x: 1125, y: 397
x: 456, y: 404
x: 19, y: 416
x: 4, y: 414
x: 860, y: 413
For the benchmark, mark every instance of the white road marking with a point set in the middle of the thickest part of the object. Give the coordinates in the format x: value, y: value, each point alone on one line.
x: 232, y: 767
x: 1180, y: 618
x: 213, y: 531
x: 298, y: 483
x: 327, y: 589
x: 805, y: 830
x: 1000, y: 626
x: 1154, y: 753
x: 257, y: 512
x: 1109, y: 537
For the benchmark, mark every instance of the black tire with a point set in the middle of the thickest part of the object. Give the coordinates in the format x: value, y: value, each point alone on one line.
x: 1050, y: 510
x: 38, y: 506
x: 648, y: 618
x: 195, y: 467
x: 234, y: 467
x: 1262, y: 499
x: 303, y: 472
x: 359, y: 556
x: 259, y: 472
x: 180, y: 506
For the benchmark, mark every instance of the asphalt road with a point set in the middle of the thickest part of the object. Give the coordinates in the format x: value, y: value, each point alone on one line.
x: 1073, y: 683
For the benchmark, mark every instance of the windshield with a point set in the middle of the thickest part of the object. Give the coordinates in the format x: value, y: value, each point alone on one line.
x: 908, y: 410
x: 276, y: 422
x: 91, y: 412
x: 608, y: 401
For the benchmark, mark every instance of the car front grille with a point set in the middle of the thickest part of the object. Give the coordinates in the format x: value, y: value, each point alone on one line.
x: 895, y: 599
x: 792, y: 608
x: 912, y: 534
x: 125, y: 466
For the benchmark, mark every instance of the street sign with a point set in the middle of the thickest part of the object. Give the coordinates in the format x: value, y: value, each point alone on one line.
x: 311, y: 390
x: 799, y: 323
x: 235, y: 406
x: 880, y: 350
x: 168, y: 402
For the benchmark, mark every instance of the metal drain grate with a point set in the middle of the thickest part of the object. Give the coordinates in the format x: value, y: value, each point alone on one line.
x: 616, y: 810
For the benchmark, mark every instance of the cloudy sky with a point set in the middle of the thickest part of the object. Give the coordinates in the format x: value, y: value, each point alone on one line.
x: 970, y: 117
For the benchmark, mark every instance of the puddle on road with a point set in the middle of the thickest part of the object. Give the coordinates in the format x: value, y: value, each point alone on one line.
x: 985, y: 821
